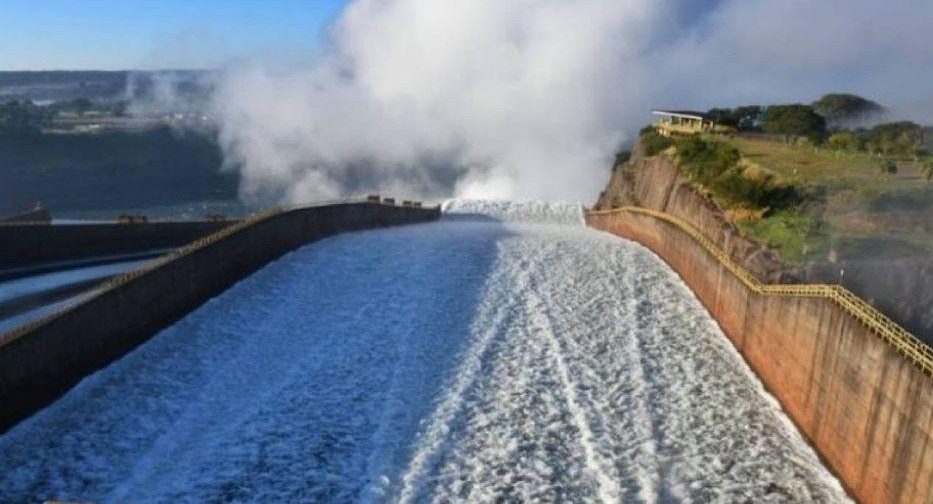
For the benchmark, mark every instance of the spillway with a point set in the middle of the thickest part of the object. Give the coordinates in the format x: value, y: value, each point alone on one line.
x: 506, y: 352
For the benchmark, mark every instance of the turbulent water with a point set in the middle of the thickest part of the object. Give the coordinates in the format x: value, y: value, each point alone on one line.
x: 463, y: 360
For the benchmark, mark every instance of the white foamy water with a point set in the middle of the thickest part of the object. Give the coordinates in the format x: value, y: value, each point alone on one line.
x: 453, y: 361
x: 540, y: 212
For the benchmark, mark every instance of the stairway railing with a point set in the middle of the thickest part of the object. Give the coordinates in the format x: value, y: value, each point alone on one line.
x: 889, y: 331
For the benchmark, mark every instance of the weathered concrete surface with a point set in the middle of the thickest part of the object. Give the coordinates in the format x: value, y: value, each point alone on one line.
x: 867, y: 410
x: 38, y: 365
x: 31, y: 244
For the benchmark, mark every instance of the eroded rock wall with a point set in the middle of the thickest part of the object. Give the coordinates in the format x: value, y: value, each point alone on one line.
x: 656, y: 183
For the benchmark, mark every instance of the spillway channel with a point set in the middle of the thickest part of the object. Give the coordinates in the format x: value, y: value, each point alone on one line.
x: 474, y: 359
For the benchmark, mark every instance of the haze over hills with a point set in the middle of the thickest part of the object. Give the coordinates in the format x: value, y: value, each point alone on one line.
x: 99, y: 86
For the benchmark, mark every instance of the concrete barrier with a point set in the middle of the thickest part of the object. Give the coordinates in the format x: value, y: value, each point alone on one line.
x: 864, y: 401
x: 42, y: 360
x: 31, y: 244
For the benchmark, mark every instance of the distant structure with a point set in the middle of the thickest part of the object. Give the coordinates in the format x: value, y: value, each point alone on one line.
x: 685, y: 123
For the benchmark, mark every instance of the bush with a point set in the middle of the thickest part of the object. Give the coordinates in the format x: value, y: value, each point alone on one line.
x: 844, y: 141
x: 714, y: 164
x: 704, y: 160
x: 895, y: 139
x: 795, y: 235
x: 653, y: 142
x: 926, y: 169
x: 888, y: 166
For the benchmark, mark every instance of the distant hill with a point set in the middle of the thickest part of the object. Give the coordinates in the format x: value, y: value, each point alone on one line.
x: 105, y: 86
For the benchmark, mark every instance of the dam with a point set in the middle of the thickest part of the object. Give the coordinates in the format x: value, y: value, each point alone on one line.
x: 504, y: 352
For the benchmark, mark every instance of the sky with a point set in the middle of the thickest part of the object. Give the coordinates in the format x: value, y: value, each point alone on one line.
x: 148, y: 34
x: 477, y: 98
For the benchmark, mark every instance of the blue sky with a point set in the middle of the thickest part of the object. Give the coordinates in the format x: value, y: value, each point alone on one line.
x: 129, y: 34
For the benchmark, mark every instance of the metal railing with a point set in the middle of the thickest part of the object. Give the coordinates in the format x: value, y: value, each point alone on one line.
x: 889, y: 331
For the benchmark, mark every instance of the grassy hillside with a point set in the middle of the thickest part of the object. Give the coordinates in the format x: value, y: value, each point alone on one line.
x: 852, y: 209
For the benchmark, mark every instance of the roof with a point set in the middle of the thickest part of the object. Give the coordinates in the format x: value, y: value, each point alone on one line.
x: 687, y: 114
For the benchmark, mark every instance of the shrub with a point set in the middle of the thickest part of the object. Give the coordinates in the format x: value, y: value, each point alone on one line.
x: 844, y: 141
x: 714, y: 164
x: 894, y: 139
x: 926, y: 169
x: 704, y: 160
x: 653, y: 142
x: 888, y: 166
x: 794, y: 234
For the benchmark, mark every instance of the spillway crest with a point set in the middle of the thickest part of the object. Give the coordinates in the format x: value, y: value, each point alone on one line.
x: 467, y: 360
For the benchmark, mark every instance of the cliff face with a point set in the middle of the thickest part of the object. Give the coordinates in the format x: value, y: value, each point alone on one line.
x: 657, y: 184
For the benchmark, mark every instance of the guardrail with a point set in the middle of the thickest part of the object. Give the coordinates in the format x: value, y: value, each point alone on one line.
x: 889, y: 331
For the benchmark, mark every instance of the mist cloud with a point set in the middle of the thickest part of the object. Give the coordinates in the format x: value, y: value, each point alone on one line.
x: 531, y: 98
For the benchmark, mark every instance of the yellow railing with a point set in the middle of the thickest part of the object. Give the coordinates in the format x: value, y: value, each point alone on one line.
x: 192, y: 247
x: 888, y: 330
x: 119, y: 280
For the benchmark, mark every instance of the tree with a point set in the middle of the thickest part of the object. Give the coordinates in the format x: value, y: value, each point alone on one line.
x: 841, y: 109
x: 793, y: 121
x: 747, y: 118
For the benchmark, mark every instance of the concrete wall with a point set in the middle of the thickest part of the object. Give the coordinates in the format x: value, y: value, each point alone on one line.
x: 898, y: 287
x: 866, y: 409
x: 31, y: 244
x: 40, y: 362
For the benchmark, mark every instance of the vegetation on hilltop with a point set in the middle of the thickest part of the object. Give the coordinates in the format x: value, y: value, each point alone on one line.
x: 842, y: 109
x: 794, y: 121
x: 716, y: 165
x: 811, y: 179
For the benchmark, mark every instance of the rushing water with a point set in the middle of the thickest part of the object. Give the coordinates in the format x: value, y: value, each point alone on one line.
x: 465, y: 360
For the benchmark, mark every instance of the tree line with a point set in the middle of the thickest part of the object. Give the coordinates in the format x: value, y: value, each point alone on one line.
x: 840, y: 122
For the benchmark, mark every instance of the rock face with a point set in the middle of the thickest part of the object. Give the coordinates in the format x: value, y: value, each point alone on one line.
x: 657, y: 184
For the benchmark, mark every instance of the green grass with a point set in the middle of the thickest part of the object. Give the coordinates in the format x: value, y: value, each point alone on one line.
x: 794, y: 235
x: 820, y: 166
x: 852, y: 207
x: 716, y: 165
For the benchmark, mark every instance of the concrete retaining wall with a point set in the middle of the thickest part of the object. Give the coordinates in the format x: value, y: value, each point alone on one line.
x: 866, y: 409
x: 32, y: 244
x: 40, y: 362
